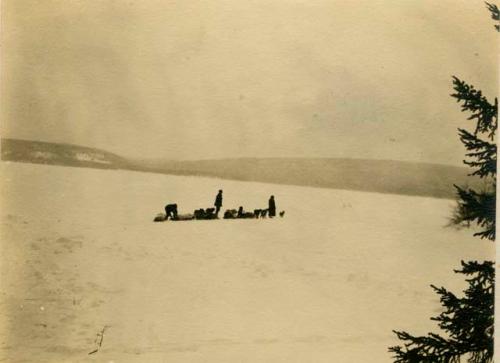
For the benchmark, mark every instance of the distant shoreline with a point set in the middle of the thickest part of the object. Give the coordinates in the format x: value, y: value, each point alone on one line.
x: 379, y: 176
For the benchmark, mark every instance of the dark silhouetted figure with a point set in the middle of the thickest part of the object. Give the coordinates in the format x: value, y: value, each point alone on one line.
x: 171, y: 211
x: 218, y: 203
x: 240, y: 212
x: 272, y: 207
x: 282, y: 213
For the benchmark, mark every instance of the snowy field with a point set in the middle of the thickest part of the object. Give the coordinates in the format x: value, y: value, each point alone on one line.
x: 327, y: 283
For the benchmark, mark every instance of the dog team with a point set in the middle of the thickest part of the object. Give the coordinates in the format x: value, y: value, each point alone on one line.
x: 213, y: 213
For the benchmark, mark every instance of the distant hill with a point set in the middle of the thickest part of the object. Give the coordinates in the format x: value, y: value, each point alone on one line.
x: 382, y: 176
x: 39, y: 152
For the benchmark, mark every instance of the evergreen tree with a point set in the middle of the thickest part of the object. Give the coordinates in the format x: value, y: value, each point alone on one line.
x: 478, y: 206
x: 467, y: 321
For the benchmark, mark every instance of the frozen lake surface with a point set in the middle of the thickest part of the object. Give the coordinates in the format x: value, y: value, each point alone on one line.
x: 327, y: 283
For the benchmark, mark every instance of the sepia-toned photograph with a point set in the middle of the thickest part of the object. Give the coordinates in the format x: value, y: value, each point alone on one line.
x: 226, y: 181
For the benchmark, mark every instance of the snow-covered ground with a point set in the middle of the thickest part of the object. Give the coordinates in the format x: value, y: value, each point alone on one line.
x: 327, y: 283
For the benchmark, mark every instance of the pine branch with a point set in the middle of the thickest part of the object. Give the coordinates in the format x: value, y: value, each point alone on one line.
x: 430, y: 348
x: 481, y: 110
x: 484, y: 152
x: 485, y: 269
x: 495, y: 14
x: 479, y: 207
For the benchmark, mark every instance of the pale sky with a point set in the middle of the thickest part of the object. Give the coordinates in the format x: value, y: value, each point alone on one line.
x: 216, y: 79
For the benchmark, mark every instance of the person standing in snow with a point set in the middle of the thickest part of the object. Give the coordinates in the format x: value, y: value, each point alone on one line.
x: 218, y: 203
x: 272, y: 207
